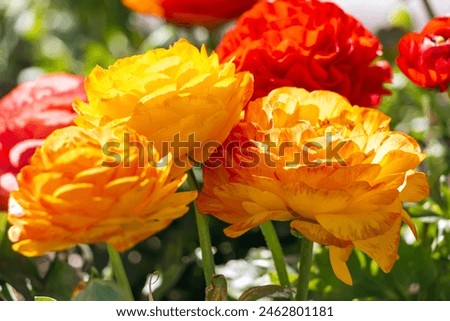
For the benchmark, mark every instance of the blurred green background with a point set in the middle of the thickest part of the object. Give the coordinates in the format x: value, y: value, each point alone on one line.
x: 38, y: 37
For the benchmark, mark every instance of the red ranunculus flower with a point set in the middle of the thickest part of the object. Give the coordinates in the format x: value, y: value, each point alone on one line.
x: 204, y: 12
x: 425, y: 57
x: 307, y: 44
x: 28, y: 114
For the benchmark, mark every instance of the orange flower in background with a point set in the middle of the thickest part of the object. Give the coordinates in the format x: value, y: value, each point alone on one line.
x: 204, y: 12
x: 28, y: 114
x: 307, y: 44
x: 335, y: 171
x: 425, y: 57
x: 91, y: 186
x: 180, y: 94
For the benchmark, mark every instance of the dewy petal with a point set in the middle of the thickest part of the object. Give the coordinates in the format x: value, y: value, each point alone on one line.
x: 338, y: 258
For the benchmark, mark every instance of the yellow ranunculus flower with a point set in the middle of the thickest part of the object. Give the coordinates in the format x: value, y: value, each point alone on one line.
x: 181, y: 99
x: 336, y: 171
x: 93, y: 185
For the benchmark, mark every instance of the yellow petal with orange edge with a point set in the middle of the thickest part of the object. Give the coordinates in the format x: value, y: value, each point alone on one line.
x: 338, y: 258
x: 120, y: 186
x: 175, y: 201
x: 316, y: 233
x: 31, y: 248
x: 383, y: 248
x: 239, y: 228
x: 408, y: 220
x: 373, y: 121
x: 136, y: 233
x: 357, y: 226
x: 416, y: 188
x: 80, y: 191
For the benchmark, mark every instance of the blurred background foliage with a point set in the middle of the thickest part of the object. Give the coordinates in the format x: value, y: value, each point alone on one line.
x: 38, y: 37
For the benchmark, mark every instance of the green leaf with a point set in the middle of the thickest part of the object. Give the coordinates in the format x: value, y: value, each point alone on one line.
x: 43, y: 298
x: 172, y: 268
x: 99, y: 290
x: 23, y: 279
x: 60, y: 281
x: 217, y: 291
x: 415, y: 267
x: 266, y: 291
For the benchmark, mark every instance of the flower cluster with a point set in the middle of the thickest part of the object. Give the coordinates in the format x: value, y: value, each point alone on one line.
x: 280, y: 117
x: 98, y: 182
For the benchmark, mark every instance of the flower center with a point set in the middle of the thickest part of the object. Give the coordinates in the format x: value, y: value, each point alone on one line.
x: 438, y: 39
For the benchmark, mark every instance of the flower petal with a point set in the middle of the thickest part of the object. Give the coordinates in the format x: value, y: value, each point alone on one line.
x: 382, y: 248
x: 416, y: 188
x: 357, y: 226
x: 338, y: 258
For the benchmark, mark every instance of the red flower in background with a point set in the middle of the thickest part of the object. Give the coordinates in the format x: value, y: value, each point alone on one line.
x: 425, y: 57
x: 307, y: 44
x: 204, y: 12
x: 28, y: 114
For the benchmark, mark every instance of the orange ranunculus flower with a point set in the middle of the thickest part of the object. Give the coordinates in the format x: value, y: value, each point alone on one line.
x: 179, y: 98
x: 335, y: 171
x: 425, y: 57
x: 28, y: 114
x: 204, y: 12
x: 307, y: 44
x: 93, y: 185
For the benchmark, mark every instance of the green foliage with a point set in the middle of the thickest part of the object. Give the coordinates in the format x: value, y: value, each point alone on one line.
x: 46, y: 277
x: 99, y: 290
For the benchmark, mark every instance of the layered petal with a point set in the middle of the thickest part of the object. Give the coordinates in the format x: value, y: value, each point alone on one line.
x: 293, y: 43
x: 28, y: 114
x: 182, y: 99
x: 89, y: 186
x: 424, y: 57
x: 336, y: 171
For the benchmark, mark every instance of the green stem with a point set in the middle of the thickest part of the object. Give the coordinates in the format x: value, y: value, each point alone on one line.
x: 272, y: 241
x: 119, y: 272
x: 203, y: 233
x: 306, y: 257
x: 429, y: 9
x: 7, y: 292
